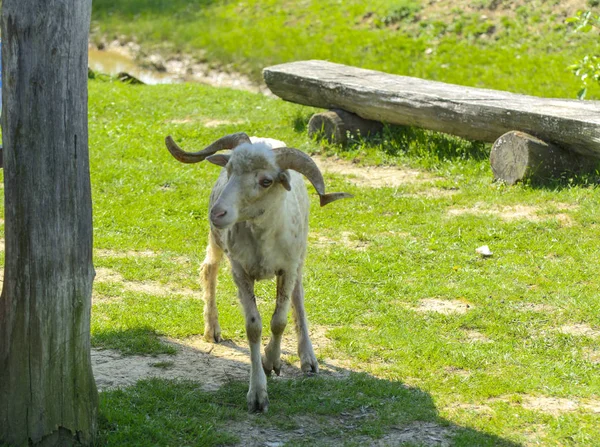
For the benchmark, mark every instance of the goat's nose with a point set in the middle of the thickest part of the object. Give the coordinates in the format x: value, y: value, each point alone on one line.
x: 218, y: 213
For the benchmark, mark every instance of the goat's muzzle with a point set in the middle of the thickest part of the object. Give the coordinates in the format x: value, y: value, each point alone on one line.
x: 221, y: 217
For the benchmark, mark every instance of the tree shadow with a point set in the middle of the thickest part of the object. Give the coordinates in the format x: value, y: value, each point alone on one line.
x: 131, y: 8
x: 197, y: 397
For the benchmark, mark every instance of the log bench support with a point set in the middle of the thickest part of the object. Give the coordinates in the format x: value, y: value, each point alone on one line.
x: 517, y: 156
x: 337, y: 126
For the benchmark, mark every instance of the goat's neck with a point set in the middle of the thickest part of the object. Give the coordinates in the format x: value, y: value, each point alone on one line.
x: 274, y: 219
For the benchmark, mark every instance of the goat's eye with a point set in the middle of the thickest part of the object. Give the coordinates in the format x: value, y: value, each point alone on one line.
x: 266, y: 182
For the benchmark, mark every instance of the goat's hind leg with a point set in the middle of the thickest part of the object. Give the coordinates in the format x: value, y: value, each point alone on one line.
x: 272, y: 359
x: 308, y: 360
x: 208, y: 273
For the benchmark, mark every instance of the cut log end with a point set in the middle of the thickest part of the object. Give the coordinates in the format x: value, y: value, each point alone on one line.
x: 517, y: 156
x: 336, y: 126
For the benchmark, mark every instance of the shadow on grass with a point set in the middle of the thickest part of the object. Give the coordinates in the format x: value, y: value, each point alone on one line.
x: 425, y: 144
x: 338, y: 407
x: 131, y: 8
x: 567, y: 180
x: 428, y: 146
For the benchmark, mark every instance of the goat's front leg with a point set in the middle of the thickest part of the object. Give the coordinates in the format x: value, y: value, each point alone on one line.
x: 258, y: 400
x: 208, y: 272
x: 272, y: 357
x: 308, y: 360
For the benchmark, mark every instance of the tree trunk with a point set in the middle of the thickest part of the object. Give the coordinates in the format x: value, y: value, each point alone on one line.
x: 47, y: 390
x: 517, y: 156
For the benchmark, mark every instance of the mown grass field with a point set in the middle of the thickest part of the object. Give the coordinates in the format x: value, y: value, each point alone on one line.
x: 496, y: 351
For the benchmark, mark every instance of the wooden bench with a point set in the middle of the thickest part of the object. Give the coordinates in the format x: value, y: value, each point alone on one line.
x: 533, y: 137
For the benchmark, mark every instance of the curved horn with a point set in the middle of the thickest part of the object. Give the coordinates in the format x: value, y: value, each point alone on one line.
x: 290, y: 158
x: 227, y: 142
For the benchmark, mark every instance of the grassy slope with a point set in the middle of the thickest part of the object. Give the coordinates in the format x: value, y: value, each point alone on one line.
x: 517, y: 46
x: 144, y: 200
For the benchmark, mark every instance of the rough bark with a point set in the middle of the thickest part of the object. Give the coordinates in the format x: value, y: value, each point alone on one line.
x: 517, y: 156
x: 472, y: 113
x: 337, y: 125
x: 47, y: 390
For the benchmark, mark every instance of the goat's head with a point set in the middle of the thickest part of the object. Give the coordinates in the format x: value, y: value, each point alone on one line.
x: 254, y: 173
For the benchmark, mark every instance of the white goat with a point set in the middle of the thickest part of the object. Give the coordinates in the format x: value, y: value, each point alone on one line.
x: 259, y: 219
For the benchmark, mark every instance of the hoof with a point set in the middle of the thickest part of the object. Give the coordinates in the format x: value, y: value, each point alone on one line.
x: 310, y: 366
x: 271, y: 365
x: 212, y: 336
x: 258, y: 402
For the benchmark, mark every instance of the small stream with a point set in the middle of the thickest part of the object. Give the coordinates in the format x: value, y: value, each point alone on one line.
x: 112, y: 62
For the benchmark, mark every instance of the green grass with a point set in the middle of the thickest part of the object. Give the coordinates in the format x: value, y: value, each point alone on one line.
x: 402, y: 245
x: 349, y: 411
x: 388, y: 249
x: 525, y: 48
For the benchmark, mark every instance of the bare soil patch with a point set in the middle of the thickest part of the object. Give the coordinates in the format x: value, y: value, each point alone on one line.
x: 592, y: 356
x: 536, y: 307
x: 206, y: 122
x: 209, y: 364
x: 477, y: 337
x: 347, y: 239
x: 445, y: 307
x: 556, y: 406
x: 149, y: 287
x: 518, y: 212
x: 103, y: 253
x: 372, y: 176
x: 427, y: 434
x: 461, y: 372
x: 473, y: 408
x: 432, y: 193
x: 418, y: 433
x: 581, y: 330
x: 498, y: 8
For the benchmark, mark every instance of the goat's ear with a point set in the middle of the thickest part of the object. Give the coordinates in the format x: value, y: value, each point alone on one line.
x: 218, y: 159
x: 284, y: 179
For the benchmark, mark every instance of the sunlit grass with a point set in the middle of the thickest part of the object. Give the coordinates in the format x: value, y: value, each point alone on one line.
x: 525, y: 49
x: 388, y: 249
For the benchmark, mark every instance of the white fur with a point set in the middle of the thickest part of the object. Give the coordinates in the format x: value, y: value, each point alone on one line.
x: 266, y: 237
x: 269, y: 141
